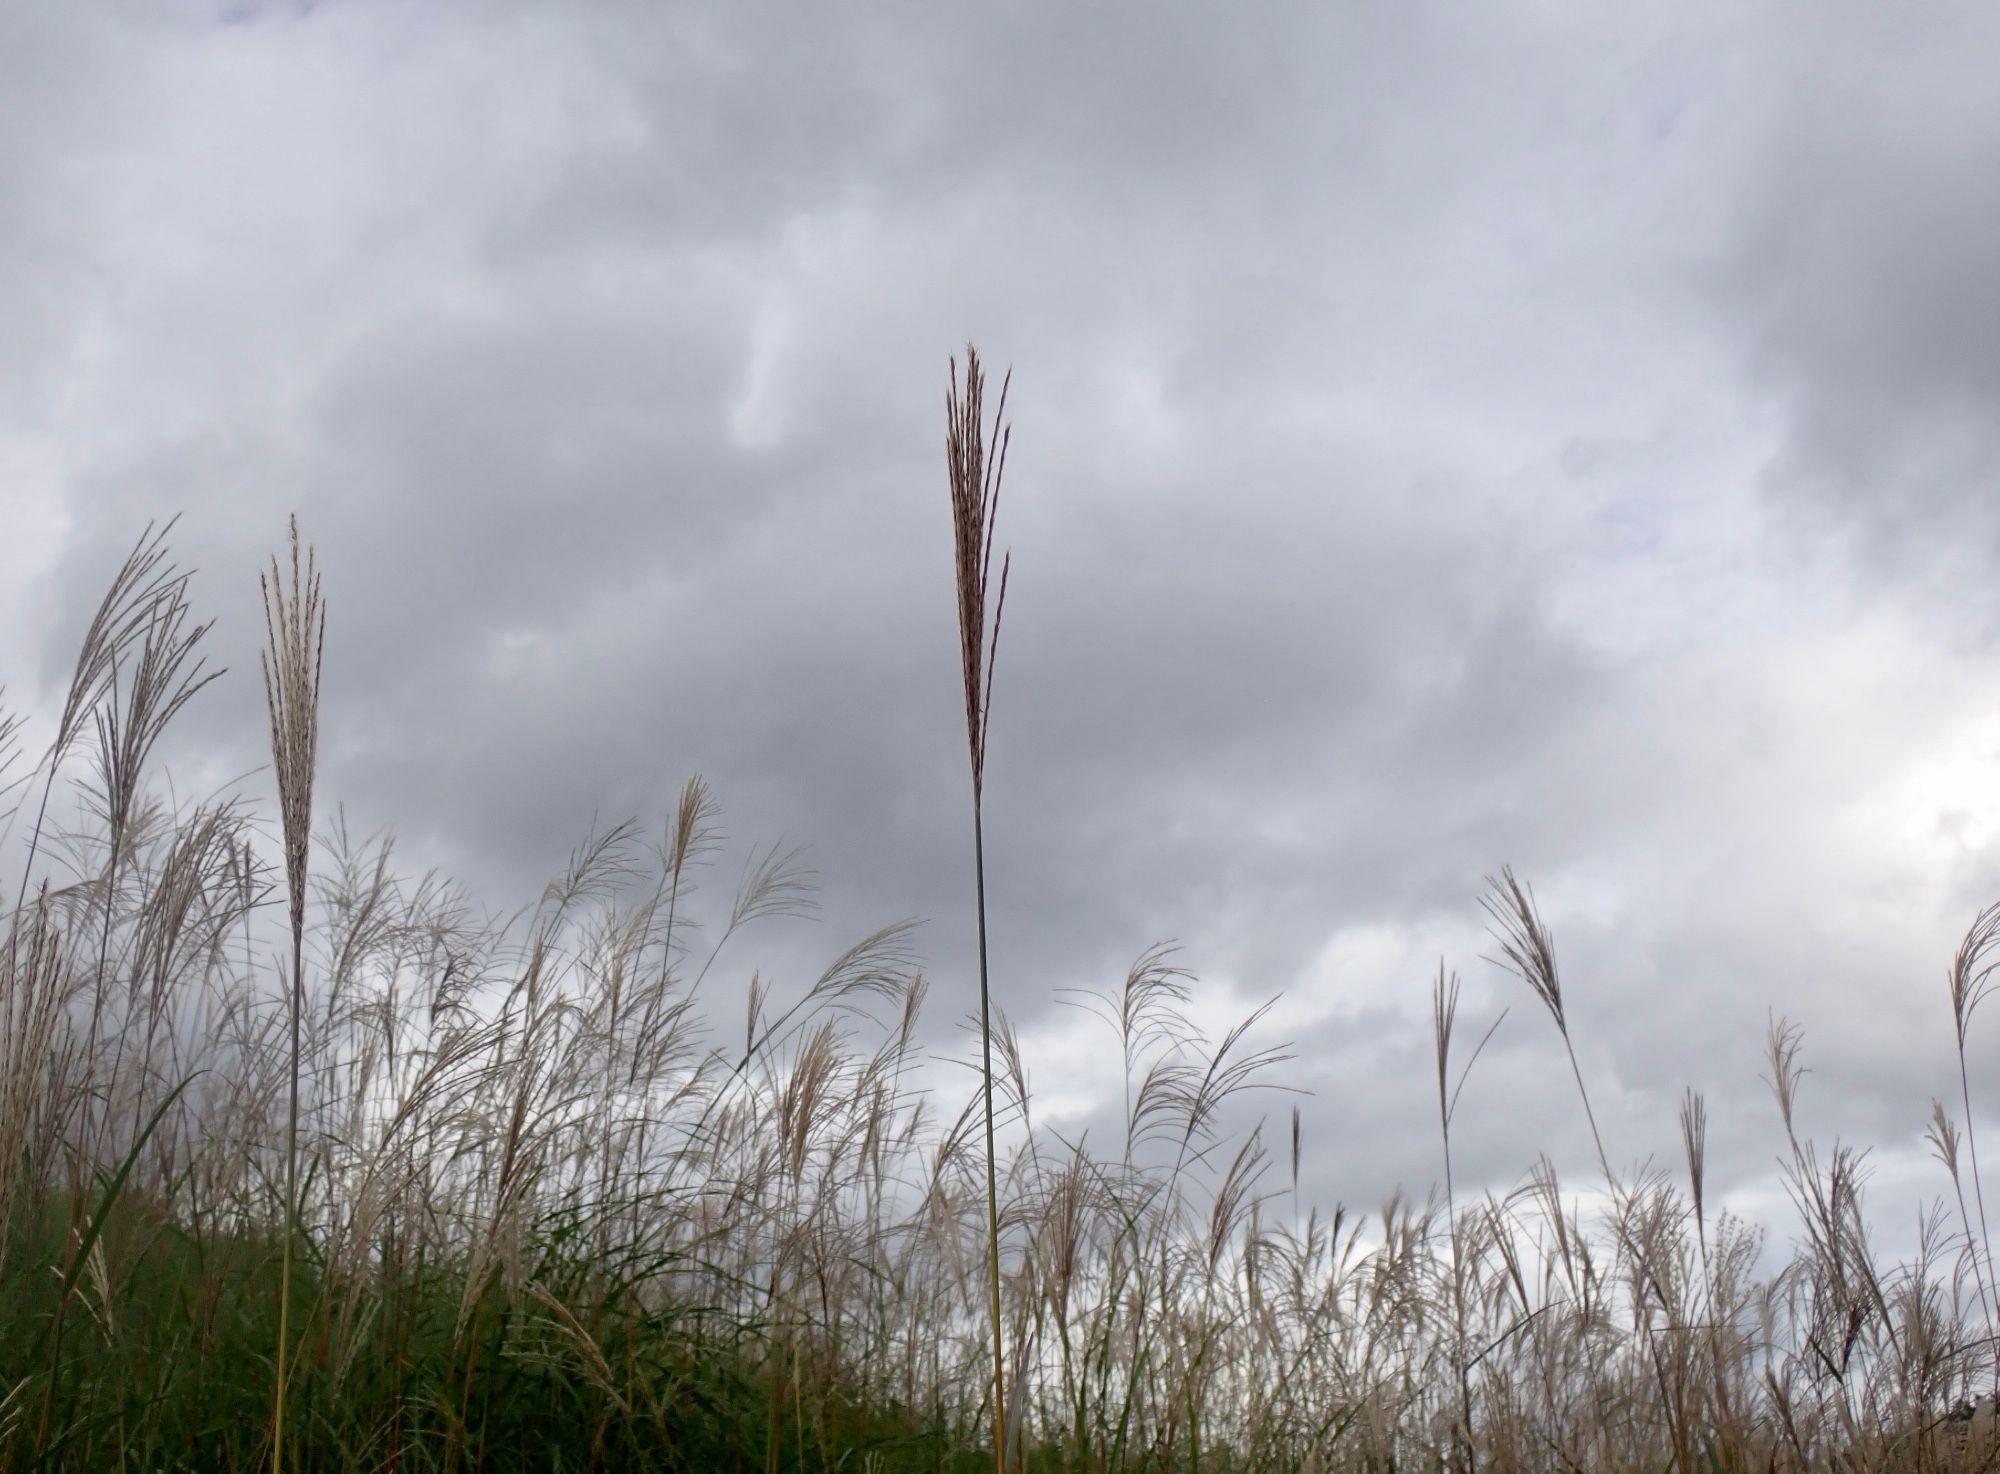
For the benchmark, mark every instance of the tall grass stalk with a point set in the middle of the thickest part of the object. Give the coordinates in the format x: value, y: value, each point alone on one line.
x: 1444, y: 1024
x: 295, y: 628
x: 974, y: 477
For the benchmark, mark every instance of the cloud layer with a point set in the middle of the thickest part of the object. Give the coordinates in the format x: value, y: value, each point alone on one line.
x: 1441, y: 440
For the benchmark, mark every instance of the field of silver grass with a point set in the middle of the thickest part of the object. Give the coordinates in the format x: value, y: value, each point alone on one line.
x: 313, y: 1164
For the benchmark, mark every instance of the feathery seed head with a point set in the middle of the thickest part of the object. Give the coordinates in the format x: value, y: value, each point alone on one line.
x: 1972, y: 968
x: 975, y: 472
x: 1526, y: 945
x: 295, y: 625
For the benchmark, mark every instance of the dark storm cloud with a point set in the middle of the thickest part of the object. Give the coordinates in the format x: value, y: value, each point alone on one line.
x: 1860, y: 273
x: 70, y: 95
x: 1377, y: 497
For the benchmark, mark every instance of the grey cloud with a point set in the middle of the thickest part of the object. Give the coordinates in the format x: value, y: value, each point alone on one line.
x: 1858, y: 271
x: 607, y: 373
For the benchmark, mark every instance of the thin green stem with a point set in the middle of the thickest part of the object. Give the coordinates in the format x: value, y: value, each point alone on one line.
x: 992, y: 1171
x: 291, y: 1213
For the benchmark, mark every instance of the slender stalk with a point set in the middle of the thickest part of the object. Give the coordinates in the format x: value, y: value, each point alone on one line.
x: 1444, y: 1020
x: 296, y: 626
x: 992, y: 1171
x: 975, y: 500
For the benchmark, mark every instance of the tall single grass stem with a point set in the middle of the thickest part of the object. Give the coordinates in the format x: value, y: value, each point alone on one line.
x: 975, y: 503
x: 1444, y: 1022
x: 295, y: 624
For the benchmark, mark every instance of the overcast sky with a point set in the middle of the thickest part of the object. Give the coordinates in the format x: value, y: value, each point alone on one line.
x: 1444, y: 437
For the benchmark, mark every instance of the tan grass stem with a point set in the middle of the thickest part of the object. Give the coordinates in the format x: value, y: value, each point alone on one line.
x: 975, y: 503
x: 295, y: 625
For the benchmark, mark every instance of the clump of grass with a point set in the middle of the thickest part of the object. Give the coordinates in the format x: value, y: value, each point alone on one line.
x: 510, y: 1191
